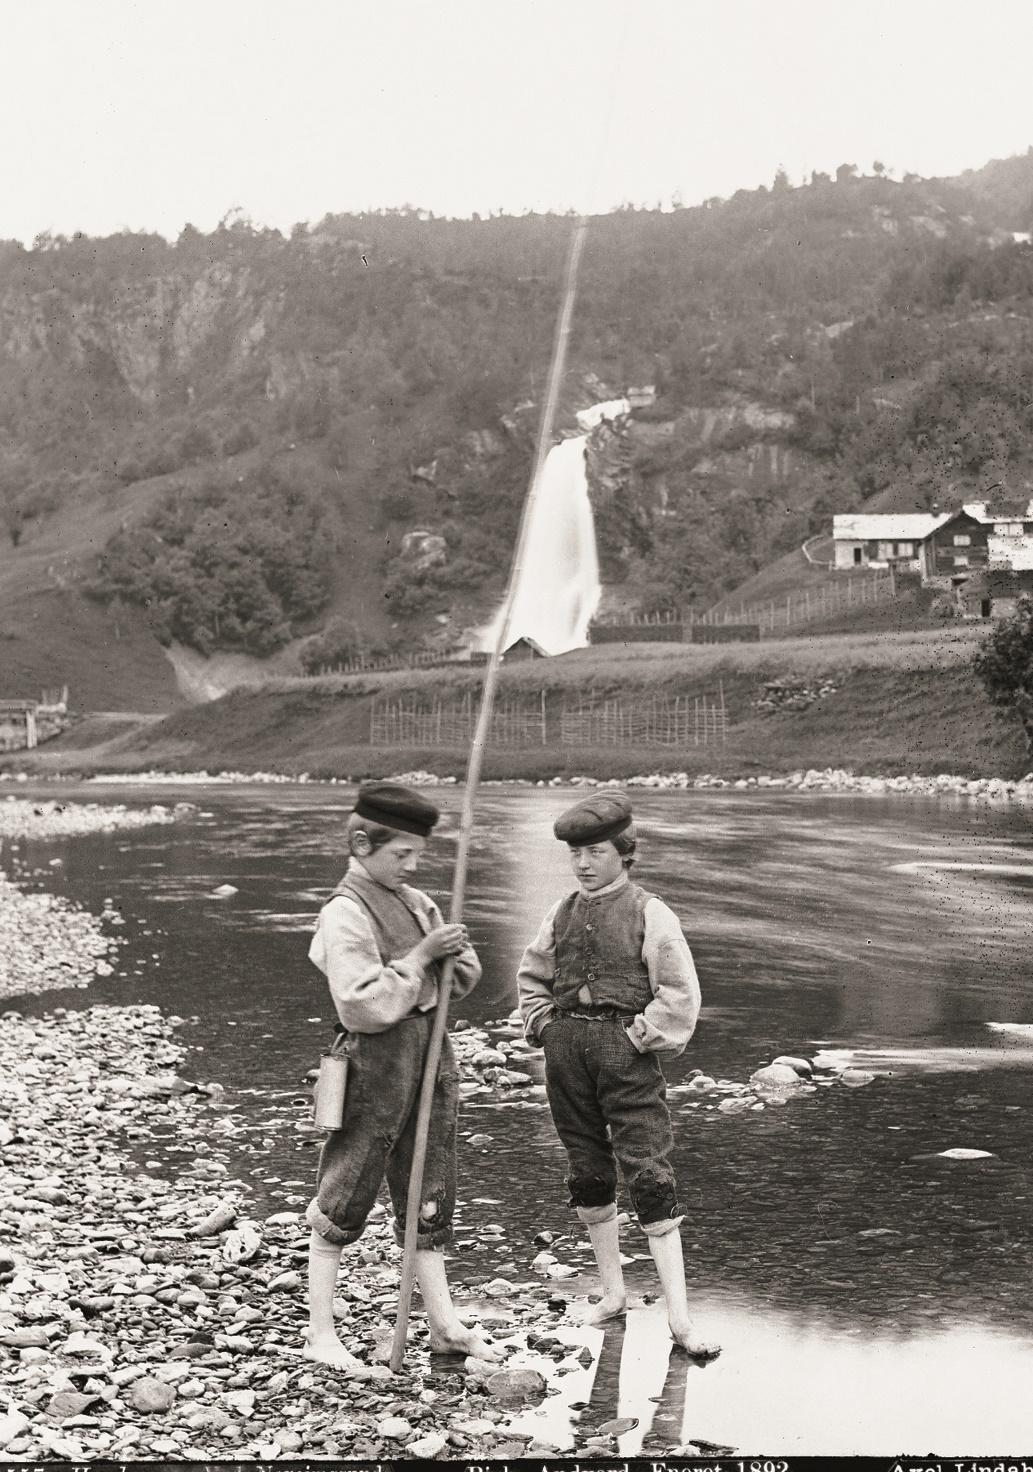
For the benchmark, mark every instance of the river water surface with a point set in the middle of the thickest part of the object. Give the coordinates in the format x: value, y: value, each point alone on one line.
x: 890, y: 933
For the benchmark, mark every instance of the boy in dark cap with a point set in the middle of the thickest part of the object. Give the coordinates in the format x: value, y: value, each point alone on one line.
x: 380, y: 942
x: 608, y: 987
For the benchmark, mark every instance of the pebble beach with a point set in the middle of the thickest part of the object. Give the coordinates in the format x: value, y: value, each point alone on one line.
x: 46, y: 941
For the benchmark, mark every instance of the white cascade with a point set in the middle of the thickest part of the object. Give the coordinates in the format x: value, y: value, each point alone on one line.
x: 558, y: 586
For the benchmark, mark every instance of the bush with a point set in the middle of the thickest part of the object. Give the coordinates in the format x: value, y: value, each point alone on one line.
x: 223, y: 567
x: 1004, y: 663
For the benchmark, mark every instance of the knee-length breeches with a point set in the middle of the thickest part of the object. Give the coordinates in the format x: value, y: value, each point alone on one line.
x: 385, y: 1070
x: 609, y: 1107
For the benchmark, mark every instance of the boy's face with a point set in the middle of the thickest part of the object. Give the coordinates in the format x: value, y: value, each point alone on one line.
x: 395, y: 861
x: 596, y: 864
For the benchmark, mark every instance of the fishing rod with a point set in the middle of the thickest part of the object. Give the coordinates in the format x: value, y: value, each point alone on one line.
x: 473, y: 775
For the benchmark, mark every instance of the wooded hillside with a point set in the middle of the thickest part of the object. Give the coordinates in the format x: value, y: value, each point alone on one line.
x: 226, y: 438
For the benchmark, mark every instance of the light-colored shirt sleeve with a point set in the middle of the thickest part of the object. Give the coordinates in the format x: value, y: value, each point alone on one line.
x: 535, y: 977
x: 370, y: 996
x: 466, y: 967
x: 668, y: 1022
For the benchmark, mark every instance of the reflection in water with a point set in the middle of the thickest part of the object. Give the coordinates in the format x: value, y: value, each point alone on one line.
x: 895, y: 934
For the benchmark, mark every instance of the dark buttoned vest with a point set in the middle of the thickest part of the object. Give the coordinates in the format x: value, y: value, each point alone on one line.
x: 599, y: 946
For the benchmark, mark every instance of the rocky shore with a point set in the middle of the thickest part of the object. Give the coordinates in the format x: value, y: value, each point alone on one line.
x: 143, y: 1316
x: 23, y: 819
x: 46, y: 941
x: 827, y: 779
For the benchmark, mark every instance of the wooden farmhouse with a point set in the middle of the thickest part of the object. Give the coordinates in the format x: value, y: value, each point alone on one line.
x: 882, y: 541
x: 979, y: 537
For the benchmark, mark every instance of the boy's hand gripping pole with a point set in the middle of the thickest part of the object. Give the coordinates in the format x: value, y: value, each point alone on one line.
x: 473, y: 774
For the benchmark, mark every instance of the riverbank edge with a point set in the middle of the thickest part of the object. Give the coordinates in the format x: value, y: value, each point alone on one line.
x: 821, y: 781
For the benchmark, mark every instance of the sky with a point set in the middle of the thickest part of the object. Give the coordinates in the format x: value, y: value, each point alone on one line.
x: 149, y: 114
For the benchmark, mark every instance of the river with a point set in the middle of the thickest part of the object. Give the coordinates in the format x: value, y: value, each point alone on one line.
x: 891, y: 933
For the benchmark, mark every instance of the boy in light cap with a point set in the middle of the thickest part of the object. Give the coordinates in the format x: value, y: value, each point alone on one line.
x: 607, y: 988
x: 380, y: 942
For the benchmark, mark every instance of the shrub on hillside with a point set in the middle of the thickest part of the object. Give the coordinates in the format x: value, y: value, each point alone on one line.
x: 223, y: 567
x: 1004, y: 663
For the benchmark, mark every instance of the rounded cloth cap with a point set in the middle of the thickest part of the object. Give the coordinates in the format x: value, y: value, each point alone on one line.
x: 398, y: 807
x: 594, y: 819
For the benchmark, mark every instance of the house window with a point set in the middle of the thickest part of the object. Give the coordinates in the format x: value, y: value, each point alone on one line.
x: 1008, y: 528
x: 904, y: 549
x: 963, y: 541
x: 885, y: 551
x: 960, y: 560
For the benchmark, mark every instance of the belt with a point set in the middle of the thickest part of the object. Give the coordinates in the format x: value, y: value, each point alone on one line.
x: 597, y: 1014
x: 340, y: 1030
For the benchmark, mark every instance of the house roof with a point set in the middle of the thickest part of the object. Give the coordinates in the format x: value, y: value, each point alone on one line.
x: 525, y: 639
x: 989, y: 511
x: 909, y: 526
x: 1002, y: 581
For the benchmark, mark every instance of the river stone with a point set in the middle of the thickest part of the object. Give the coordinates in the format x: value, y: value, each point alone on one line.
x: 395, y: 1428
x: 25, y: 1338
x: 12, y: 1424
x: 241, y: 1401
x: 224, y: 1215
x: 479, y: 1369
x: 149, y: 1395
x: 498, y: 1288
x: 799, y: 1065
x: 513, y: 1386
x: 68, y: 1403
x: 775, y: 1076
x: 856, y: 1078
x: 619, y: 1426
x: 427, y: 1446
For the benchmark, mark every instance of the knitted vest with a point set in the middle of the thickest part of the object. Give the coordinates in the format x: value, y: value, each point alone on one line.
x: 599, y: 946
x: 395, y: 925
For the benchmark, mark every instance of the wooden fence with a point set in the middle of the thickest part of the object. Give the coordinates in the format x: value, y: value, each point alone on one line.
x: 821, y: 601
x: 653, y: 720
x: 418, y: 660
x: 410, y: 721
x: 586, y: 720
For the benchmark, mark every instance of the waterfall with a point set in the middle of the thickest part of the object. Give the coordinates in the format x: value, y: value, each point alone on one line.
x: 558, y: 589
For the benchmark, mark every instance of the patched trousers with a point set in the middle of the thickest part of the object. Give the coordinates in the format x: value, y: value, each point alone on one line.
x: 385, y: 1070
x: 609, y: 1107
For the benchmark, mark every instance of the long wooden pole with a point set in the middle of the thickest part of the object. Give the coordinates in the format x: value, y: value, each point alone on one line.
x: 473, y: 774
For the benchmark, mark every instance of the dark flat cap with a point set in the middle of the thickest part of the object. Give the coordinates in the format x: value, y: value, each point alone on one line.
x: 396, y: 807
x: 594, y: 819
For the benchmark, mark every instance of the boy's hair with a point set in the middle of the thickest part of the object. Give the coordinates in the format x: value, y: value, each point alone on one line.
x: 625, y: 843
x: 377, y: 833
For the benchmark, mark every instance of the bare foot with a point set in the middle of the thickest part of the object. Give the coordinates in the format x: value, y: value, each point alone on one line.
x: 462, y: 1340
x: 688, y: 1340
x: 327, y: 1349
x: 610, y: 1307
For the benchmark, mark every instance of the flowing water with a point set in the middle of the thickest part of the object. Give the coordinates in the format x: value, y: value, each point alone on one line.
x: 558, y: 588
x: 893, y: 934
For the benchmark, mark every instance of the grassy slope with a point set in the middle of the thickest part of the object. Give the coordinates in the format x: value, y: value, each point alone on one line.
x: 50, y: 634
x: 903, y: 704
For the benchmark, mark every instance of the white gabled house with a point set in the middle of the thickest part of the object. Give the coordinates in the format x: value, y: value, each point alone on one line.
x: 883, y: 540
